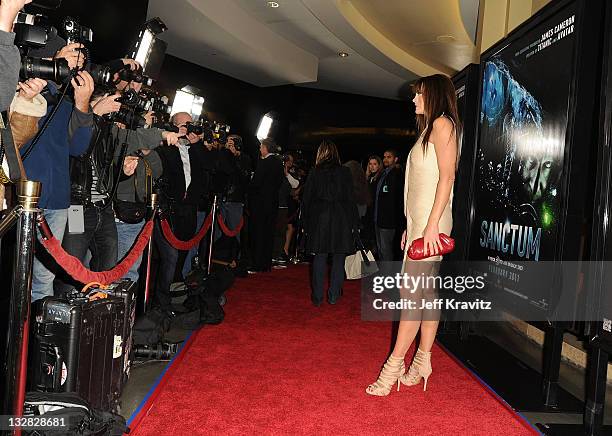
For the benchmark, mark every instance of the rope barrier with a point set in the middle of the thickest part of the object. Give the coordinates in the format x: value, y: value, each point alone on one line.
x: 75, y: 268
x: 77, y: 271
x: 185, y: 245
x: 226, y: 230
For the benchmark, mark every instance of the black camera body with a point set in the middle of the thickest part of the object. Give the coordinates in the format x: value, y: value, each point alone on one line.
x: 33, y: 31
x: 211, y: 130
x: 133, y: 99
x: 129, y: 117
x: 137, y: 76
x: 133, y: 106
x: 74, y: 32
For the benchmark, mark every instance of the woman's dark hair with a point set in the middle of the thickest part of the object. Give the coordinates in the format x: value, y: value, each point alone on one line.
x: 327, y: 152
x: 379, y: 161
x: 360, y: 184
x: 439, y: 99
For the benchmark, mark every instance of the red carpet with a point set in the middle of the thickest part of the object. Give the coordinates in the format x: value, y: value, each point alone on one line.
x: 279, y: 365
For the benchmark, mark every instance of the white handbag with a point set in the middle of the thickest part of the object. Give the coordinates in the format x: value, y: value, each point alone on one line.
x: 359, y: 265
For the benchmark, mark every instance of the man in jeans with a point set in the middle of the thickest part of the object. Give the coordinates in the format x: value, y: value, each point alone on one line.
x: 388, y: 205
x: 67, y: 134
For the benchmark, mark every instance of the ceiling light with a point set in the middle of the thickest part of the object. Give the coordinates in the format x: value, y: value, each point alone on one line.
x: 343, y: 54
x: 273, y: 4
x: 445, y: 39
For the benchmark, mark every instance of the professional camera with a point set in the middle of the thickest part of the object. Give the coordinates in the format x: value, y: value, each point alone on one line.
x: 133, y: 99
x: 74, y: 32
x: 129, y: 117
x: 159, y: 106
x: 137, y: 76
x: 211, y: 130
x: 56, y: 70
x: 133, y: 106
x: 194, y: 128
x: 102, y: 76
x: 32, y: 31
x: 221, y: 132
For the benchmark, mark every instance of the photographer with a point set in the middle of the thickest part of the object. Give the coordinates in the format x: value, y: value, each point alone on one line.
x: 10, y: 59
x: 184, y: 183
x: 239, y: 169
x: 93, y: 178
x: 67, y: 134
x: 130, y: 205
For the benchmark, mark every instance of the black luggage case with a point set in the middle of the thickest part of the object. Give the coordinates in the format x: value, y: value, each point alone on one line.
x: 77, y: 347
x: 125, y: 291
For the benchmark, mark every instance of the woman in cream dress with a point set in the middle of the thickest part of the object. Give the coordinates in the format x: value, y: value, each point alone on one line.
x: 428, y: 193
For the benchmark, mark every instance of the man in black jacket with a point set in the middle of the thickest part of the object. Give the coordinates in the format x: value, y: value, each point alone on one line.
x: 183, y: 187
x: 388, y: 206
x: 263, y: 205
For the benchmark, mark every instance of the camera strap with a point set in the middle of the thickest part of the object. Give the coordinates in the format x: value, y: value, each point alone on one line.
x: 148, y: 182
x: 9, y: 150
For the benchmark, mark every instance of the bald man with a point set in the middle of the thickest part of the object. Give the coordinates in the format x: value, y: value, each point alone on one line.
x: 185, y: 185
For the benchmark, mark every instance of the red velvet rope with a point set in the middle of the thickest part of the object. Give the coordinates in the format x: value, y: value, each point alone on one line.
x: 226, y: 230
x: 185, y: 245
x: 77, y: 271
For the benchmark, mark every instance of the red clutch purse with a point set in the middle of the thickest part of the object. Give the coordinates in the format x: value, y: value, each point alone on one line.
x: 416, y: 251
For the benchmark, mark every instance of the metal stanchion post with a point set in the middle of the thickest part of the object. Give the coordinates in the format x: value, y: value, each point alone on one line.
x: 28, y: 193
x: 212, y: 233
x: 153, y: 206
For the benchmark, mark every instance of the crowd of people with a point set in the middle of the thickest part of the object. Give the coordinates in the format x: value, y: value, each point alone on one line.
x: 98, y: 174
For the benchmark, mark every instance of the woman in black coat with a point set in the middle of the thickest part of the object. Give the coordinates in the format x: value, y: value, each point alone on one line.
x: 330, y: 215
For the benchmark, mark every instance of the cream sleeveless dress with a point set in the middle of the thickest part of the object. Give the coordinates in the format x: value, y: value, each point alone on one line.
x: 421, y: 180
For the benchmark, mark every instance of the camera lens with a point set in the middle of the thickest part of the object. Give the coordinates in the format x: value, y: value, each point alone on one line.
x: 55, y: 70
x: 194, y: 128
x: 128, y: 117
x: 101, y: 74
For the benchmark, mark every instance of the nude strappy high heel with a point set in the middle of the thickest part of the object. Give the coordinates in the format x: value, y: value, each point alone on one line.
x: 392, y: 371
x: 420, y: 368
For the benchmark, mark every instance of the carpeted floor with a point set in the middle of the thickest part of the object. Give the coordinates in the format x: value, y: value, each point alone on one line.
x: 279, y: 365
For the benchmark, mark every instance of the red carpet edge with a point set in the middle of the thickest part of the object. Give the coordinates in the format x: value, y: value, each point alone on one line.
x: 148, y: 401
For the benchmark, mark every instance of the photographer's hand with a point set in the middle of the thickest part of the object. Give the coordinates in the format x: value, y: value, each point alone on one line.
x: 31, y: 88
x: 134, y: 65
x: 83, y: 85
x: 107, y: 104
x: 129, y: 165
x: 170, y: 137
x: 8, y: 12
x: 193, y: 138
x: 71, y: 53
x: 149, y: 118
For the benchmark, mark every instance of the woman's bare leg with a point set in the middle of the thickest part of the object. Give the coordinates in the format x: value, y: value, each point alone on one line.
x: 428, y: 335
x: 406, y: 333
x: 288, y: 237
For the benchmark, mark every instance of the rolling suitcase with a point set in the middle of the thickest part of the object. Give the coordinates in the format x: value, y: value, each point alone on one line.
x: 125, y: 291
x: 77, y: 347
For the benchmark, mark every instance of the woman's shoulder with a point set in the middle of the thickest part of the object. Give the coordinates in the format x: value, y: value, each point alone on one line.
x: 443, y: 123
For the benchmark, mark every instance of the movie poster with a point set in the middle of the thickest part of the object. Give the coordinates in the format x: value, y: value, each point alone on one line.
x: 521, y: 145
x: 518, y: 180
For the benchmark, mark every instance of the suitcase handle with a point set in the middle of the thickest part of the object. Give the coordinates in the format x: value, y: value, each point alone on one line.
x: 59, y: 365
